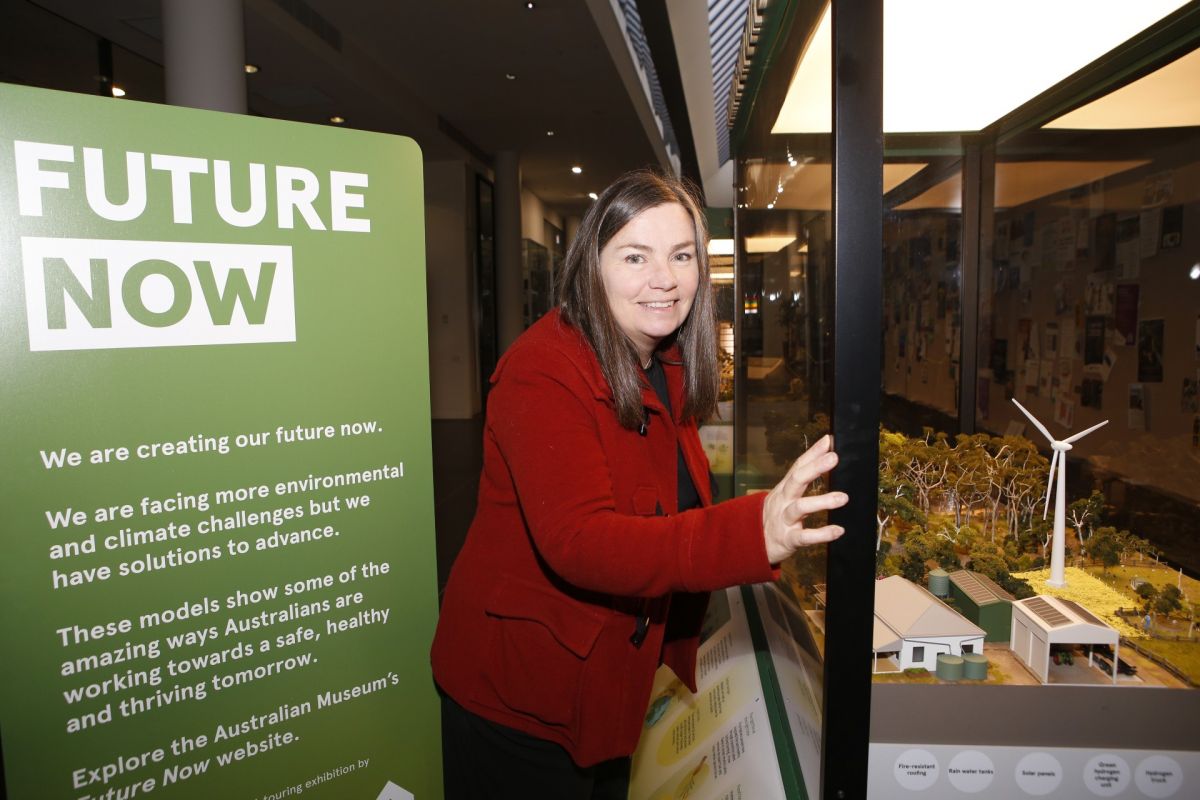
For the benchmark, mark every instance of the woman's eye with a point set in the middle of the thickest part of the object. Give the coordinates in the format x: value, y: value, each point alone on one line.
x: 685, y: 256
x: 635, y: 258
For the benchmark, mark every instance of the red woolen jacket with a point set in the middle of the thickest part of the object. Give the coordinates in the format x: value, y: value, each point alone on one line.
x: 575, y: 538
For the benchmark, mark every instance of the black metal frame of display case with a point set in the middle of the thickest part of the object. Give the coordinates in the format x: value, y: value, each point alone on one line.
x: 858, y: 297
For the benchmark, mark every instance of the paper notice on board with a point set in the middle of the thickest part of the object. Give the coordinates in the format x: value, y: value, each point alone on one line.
x: 1149, y: 231
x: 1064, y: 411
x: 1129, y: 256
x: 1137, y: 407
x: 1126, y: 312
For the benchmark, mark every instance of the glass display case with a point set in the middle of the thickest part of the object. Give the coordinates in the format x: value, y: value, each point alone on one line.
x: 1041, y: 251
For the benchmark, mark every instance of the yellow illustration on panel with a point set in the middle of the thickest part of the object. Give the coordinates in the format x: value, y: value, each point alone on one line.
x: 686, y: 783
x: 709, y: 712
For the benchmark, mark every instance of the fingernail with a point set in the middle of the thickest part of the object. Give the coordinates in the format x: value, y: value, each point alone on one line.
x: 840, y: 530
x: 842, y: 497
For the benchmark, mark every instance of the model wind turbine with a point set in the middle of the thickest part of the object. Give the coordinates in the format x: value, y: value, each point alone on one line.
x: 1059, y: 460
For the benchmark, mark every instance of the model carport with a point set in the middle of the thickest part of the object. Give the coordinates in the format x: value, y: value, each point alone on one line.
x: 1042, y: 621
x: 981, y: 600
x: 913, y: 627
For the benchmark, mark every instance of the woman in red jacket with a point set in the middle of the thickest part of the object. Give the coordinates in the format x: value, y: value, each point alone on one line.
x: 595, y: 542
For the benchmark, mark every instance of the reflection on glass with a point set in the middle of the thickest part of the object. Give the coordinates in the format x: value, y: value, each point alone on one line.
x: 784, y: 381
x: 1087, y: 311
x: 922, y: 326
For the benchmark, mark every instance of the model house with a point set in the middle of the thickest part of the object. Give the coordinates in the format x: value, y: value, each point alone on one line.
x: 912, y: 627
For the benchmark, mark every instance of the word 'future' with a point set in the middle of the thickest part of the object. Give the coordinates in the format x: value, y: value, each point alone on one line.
x: 296, y: 189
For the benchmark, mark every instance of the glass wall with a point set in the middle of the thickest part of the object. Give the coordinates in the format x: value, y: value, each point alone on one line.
x: 1048, y: 257
x: 783, y: 371
x: 1091, y: 314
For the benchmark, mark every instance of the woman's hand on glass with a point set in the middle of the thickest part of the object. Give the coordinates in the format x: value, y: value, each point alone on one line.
x: 786, y: 505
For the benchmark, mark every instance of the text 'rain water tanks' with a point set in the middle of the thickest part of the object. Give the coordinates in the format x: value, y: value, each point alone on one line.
x: 939, y: 583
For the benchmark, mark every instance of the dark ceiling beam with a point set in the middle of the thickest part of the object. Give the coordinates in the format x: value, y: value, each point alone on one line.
x: 656, y: 25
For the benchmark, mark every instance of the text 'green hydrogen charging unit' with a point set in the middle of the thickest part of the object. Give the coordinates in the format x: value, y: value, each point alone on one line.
x: 217, y: 505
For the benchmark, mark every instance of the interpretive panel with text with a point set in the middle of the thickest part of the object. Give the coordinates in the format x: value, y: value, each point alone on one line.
x: 216, y: 512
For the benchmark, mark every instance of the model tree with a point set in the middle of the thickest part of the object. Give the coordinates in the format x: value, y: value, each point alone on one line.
x: 1169, y: 600
x: 1083, y: 514
x: 896, y: 494
x: 1105, y: 547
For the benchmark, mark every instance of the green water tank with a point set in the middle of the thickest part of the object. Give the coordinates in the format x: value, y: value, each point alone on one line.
x: 939, y: 583
x: 949, y: 668
x: 975, y: 666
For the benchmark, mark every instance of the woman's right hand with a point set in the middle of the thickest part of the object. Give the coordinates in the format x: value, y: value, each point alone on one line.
x: 786, y: 506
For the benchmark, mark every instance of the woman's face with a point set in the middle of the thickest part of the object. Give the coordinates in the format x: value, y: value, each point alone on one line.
x: 650, y: 272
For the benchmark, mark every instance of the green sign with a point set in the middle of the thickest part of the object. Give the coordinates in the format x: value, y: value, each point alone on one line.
x: 218, y: 573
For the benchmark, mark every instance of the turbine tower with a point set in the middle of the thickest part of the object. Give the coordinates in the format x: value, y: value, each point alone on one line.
x: 1059, y: 460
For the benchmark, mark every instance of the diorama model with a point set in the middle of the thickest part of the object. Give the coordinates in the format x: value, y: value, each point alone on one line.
x: 963, y: 510
x: 1058, y: 549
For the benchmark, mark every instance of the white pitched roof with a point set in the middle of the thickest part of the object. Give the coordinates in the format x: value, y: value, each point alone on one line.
x: 911, y: 611
x: 884, y: 639
x: 1065, y: 621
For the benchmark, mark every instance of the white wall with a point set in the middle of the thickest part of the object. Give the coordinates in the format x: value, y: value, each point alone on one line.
x: 534, y: 216
x: 935, y: 646
x: 450, y: 278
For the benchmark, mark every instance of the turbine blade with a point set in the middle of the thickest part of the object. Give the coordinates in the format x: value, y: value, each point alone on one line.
x: 1050, y: 482
x: 1033, y: 419
x: 1082, y: 434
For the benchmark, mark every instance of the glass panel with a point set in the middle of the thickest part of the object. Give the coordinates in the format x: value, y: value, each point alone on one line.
x: 922, y: 321
x: 784, y: 372
x: 1090, y: 315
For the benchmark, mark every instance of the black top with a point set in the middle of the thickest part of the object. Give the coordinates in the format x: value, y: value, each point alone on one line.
x: 688, y: 496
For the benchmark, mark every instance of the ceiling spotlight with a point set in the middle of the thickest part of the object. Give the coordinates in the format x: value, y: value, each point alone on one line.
x: 1195, y: 273
x: 531, y: 6
x: 117, y: 91
x: 577, y: 170
x: 510, y: 76
x: 251, y: 69
x: 549, y: 133
x: 336, y: 120
x: 595, y: 196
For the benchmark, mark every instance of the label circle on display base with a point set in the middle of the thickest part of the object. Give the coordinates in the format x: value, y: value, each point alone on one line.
x: 971, y: 771
x: 1158, y: 776
x: 1038, y: 774
x: 916, y: 769
x: 1106, y: 775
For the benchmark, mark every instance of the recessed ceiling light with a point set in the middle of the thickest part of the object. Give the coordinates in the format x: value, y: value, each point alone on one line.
x: 549, y: 133
x: 336, y: 120
x: 720, y: 247
x: 117, y: 91
x: 531, y: 6
x: 251, y: 69
x: 510, y: 76
x: 1195, y: 273
x: 593, y: 195
x: 577, y: 170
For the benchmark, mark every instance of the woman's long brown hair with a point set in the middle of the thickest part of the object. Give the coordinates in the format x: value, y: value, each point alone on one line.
x: 584, y: 304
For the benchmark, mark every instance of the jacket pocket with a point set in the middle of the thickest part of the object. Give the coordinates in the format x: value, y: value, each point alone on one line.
x: 541, y: 642
x: 645, y: 501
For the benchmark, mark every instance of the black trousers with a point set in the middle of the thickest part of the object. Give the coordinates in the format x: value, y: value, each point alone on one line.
x: 485, y: 761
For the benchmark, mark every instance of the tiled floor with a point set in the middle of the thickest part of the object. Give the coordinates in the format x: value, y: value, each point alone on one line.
x: 457, y: 460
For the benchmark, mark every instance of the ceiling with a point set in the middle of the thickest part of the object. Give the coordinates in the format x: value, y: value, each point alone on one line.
x: 433, y: 71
